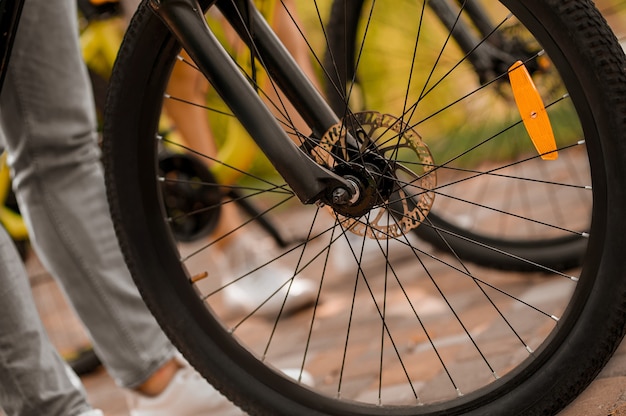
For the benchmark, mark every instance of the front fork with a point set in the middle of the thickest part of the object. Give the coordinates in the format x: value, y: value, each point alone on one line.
x: 309, y: 181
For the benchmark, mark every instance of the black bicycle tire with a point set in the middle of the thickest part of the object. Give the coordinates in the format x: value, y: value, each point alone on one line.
x: 559, y: 253
x: 595, y: 324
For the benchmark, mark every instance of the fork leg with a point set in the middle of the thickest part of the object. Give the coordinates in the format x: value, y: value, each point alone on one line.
x: 310, y: 181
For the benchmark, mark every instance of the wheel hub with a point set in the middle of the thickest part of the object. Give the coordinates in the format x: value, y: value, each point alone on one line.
x: 391, y: 169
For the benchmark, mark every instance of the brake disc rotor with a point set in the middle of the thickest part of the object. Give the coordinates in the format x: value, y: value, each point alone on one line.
x: 392, y: 167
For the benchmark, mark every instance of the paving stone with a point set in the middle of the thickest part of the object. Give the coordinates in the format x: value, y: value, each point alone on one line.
x: 606, y: 396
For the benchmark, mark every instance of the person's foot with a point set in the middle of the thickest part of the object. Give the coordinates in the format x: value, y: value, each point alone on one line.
x: 93, y: 412
x: 264, y: 288
x: 351, y: 249
x: 186, y: 394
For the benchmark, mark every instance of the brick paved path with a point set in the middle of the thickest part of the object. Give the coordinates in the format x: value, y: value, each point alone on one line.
x: 606, y: 396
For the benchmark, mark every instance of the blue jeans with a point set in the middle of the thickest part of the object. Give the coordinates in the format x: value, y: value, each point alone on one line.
x: 48, y: 117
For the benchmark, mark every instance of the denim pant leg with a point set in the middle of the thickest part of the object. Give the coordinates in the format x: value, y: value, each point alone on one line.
x: 48, y: 116
x: 33, y: 378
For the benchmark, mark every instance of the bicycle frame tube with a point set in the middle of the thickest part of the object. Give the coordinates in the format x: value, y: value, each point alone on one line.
x: 309, y: 181
x: 260, y: 37
x: 10, y: 11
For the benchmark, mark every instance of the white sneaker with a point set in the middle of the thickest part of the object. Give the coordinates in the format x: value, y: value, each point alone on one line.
x: 93, y: 412
x: 188, y: 394
x: 74, y: 379
x: 256, y: 290
x: 303, y: 377
x: 351, y: 248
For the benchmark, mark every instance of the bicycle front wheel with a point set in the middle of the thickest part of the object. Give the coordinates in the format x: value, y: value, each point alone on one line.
x: 370, y: 318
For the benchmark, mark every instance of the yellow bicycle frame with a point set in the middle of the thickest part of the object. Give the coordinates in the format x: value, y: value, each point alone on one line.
x: 10, y: 220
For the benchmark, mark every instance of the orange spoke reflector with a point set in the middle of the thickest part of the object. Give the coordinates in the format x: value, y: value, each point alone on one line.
x: 533, y: 111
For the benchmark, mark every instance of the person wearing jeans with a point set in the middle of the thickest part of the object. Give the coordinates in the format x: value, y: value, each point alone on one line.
x: 34, y: 379
x: 48, y: 119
